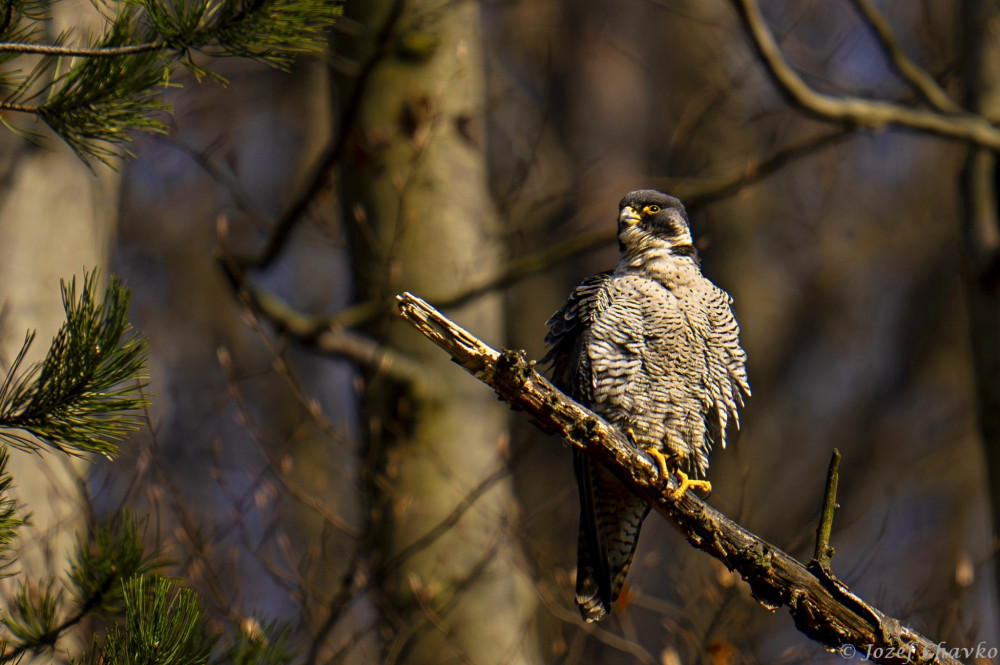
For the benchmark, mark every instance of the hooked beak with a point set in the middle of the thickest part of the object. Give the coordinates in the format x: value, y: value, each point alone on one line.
x: 628, y: 216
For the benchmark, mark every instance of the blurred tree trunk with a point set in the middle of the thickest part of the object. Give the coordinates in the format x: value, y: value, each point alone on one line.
x: 57, y: 217
x: 981, y: 235
x: 420, y: 218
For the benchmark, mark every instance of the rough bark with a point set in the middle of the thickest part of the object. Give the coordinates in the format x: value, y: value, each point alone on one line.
x: 822, y: 606
x: 419, y: 214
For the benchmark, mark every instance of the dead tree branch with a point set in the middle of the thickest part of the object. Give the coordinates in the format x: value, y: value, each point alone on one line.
x: 322, y: 333
x: 824, y: 552
x: 822, y: 607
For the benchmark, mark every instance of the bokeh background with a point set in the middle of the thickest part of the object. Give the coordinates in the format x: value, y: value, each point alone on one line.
x: 308, y: 458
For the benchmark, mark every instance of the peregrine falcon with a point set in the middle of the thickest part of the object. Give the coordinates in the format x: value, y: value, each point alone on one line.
x: 653, y: 347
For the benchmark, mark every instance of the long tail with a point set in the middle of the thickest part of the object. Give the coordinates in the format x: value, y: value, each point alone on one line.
x: 610, y: 518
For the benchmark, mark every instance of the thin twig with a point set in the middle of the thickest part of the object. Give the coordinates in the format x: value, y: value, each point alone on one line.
x: 823, y: 608
x: 322, y: 170
x: 856, y: 111
x: 919, y: 78
x: 824, y: 552
x: 351, y: 584
x: 20, y: 108
x: 80, y: 51
x: 315, y: 331
x: 425, y: 541
x: 355, y: 582
x: 695, y: 193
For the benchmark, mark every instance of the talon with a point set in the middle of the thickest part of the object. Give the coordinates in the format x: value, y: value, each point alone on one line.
x: 684, y: 484
x: 661, y: 461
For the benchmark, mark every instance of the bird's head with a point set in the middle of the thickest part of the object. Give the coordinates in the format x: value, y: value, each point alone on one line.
x: 652, y: 220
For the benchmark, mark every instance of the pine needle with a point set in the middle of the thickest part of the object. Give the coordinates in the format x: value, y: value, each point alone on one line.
x: 76, y: 400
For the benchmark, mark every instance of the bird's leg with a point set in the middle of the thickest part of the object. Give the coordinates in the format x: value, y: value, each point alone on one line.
x: 661, y: 460
x: 684, y: 484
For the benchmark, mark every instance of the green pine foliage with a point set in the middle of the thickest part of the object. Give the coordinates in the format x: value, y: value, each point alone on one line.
x: 272, y: 31
x: 35, y: 619
x: 10, y: 523
x: 20, y: 22
x: 94, y: 94
x: 77, y: 400
x: 110, y: 553
x: 98, y: 101
x: 163, y: 626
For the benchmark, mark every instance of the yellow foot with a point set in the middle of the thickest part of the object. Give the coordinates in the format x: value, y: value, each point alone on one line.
x: 661, y: 461
x: 684, y: 484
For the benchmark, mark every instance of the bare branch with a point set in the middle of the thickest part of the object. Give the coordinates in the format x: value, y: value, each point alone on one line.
x: 919, y: 79
x: 80, y: 51
x: 824, y: 552
x: 327, y: 332
x: 322, y: 172
x: 422, y: 543
x: 822, y: 607
x: 318, y: 332
x: 530, y: 264
x: 855, y: 111
x: 352, y: 583
x: 20, y: 108
x: 696, y: 193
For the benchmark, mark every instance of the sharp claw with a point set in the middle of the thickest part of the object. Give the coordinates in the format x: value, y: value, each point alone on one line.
x: 684, y: 484
x: 661, y: 461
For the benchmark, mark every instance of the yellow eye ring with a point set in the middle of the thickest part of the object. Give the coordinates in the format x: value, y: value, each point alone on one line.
x: 653, y: 209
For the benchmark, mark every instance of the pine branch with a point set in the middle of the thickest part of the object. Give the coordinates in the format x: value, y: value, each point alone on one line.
x: 112, y: 575
x: 33, y: 619
x: 10, y: 523
x: 823, y: 607
x: 113, y: 86
x: 74, y: 399
x: 74, y: 51
x: 162, y: 625
x: 110, y: 554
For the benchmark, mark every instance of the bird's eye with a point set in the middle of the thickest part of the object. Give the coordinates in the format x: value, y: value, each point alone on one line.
x: 653, y: 209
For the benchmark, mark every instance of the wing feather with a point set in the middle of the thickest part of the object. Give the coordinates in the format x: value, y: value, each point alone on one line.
x: 596, y: 371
